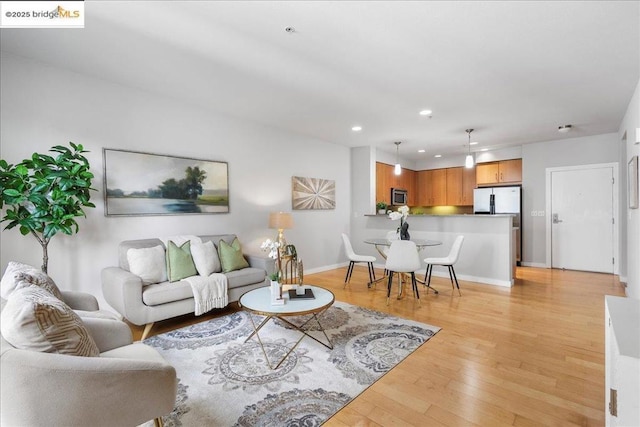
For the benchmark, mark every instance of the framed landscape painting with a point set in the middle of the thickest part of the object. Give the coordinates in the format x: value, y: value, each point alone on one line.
x: 138, y: 183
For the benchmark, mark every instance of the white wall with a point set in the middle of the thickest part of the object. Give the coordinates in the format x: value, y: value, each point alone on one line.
x: 630, y: 129
x: 42, y: 106
x: 536, y: 158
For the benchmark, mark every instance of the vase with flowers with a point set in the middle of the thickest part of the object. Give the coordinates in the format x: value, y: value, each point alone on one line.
x: 402, y: 213
x: 274, y: 253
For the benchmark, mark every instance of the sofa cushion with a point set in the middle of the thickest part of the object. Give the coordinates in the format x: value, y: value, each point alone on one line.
x: 33, y: 319
x: 179, y: 261
x: 245, y: 276
x: 205, y: 257
x: 36, y: 277
x: 162, y: 293
x: 148, y: 263
x: 231, y: 256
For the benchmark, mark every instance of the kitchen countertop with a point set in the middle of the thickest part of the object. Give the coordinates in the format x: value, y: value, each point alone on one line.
x: 451, y: 215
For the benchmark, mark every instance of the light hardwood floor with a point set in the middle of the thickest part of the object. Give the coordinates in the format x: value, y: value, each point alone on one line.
x: 529, y: 355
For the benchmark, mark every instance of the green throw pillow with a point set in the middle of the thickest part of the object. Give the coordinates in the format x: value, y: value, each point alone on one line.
x: 179, y: 261
x: 231, y: 256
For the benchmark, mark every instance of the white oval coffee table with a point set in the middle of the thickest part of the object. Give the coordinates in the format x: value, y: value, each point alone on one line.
x: 258, y: 301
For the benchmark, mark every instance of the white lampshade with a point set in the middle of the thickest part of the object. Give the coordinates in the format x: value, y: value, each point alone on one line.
x: 280, y: 220
x: 468, y: 161
x: 397, y: 169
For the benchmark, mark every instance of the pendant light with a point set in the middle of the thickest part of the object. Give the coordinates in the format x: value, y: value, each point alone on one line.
x: 468, y: 161
x: 397, y: 169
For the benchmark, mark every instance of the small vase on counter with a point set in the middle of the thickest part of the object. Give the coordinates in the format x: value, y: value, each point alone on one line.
x: 404, y: 231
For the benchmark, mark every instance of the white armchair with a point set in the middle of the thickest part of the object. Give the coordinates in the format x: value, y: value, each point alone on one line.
x: 128, y: 384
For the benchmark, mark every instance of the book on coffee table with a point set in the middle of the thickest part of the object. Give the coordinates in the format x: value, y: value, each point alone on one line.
x: 308, y: 294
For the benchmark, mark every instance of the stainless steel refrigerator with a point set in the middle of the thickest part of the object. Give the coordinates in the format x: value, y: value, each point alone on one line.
x: 501, y: 200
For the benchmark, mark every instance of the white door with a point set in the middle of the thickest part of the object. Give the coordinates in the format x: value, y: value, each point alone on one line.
x: 582, y: 213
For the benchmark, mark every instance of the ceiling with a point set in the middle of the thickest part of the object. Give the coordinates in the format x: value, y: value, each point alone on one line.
x: 513, y: 71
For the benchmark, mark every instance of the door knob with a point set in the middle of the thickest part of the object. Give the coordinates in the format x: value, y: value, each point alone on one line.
x: 555, y: 219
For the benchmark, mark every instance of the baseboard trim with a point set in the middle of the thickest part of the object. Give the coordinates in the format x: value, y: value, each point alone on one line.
x: 327, y: 268
x: 534, y: 264
x: 475, y: 279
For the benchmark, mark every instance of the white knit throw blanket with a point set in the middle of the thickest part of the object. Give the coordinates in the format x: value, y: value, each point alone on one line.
x: 209, y: 292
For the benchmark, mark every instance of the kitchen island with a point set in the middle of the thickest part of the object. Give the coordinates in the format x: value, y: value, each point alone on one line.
x: 488, y: 253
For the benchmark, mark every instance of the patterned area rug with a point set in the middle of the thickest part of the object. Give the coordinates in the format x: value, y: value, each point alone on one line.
x: 224, y: 381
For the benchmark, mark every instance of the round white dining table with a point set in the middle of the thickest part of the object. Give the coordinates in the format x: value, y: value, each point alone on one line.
x: 384, y: 242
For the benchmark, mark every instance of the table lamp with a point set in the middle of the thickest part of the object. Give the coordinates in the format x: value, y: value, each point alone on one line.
x: 280, y: 221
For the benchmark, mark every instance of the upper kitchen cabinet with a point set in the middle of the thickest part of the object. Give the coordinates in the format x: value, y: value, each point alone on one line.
x: 408, y: 180
x: 460, y: 184
x: 454, y: 186
x: 502, y: 172
x: 432, y: 187
x: 384, y: 177
x: 386, y: 180
x: 468, y: 185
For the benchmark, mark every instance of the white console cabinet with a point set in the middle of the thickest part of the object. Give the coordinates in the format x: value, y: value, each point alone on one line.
x: 622, y: 367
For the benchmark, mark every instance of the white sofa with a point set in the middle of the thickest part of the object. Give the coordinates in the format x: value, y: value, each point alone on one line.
x: 144, y: 304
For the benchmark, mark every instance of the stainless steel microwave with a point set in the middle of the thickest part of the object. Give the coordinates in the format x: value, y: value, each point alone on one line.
x: 398, y: 196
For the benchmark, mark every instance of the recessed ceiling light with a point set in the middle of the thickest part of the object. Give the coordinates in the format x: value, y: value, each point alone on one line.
x: 356, y: 128
x: 564, y: 128
x: 473, y: 143
x: 438, y: 156
x: 426, y: 113
x: 421, y: 151
x: 484, y: 149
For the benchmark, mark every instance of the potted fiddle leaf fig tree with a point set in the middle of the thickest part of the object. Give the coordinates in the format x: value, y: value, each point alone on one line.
x: 45, y: 194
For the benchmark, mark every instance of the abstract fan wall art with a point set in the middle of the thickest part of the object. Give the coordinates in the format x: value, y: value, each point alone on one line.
x: 313, y: 193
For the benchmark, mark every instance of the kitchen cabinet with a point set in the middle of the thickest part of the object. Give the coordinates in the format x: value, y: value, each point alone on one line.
x: 502, y: 172
x: 622, y: 361
x: 454, y: 186
x: 386, y: 180
x: 408, y: 182
x: 432, y: 187
x: 468, y: 185
x: 460, y: 184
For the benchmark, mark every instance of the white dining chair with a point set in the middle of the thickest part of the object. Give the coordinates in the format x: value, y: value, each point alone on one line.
x: 355, y: 258
x: 403, y: 259
x: 448, y: 262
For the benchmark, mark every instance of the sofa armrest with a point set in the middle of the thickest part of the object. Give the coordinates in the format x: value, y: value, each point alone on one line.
x: 108, y: 334
x: 123, y: 291
x: 265, y: 263
x: 56, y: 389
x: 80, y: 300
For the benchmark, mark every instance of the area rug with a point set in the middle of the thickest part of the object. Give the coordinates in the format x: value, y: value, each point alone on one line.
x: 223, y: 381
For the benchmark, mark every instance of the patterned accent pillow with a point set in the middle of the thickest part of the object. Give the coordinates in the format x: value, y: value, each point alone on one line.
x: 231, y: 256
x: 9, y: 281
x: 39, y: 279
x: 33, y: 319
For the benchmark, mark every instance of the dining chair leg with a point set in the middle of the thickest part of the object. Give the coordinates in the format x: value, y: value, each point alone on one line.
x: 427, y: 279
x: 456, y: 279
x: 349, y: 271
x: 372, y: 273
x: 389, y: 283
x: 414, y: 284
